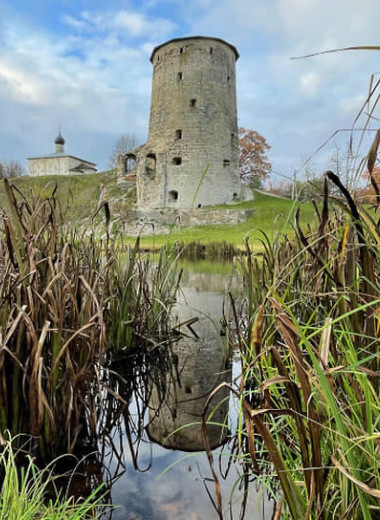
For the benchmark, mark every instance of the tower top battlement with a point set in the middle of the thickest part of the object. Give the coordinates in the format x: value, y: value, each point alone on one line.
x: 187, y: 38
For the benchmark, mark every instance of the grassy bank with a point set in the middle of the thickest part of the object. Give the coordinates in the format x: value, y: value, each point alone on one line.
x: 78, y: 198
x: 271, y: 215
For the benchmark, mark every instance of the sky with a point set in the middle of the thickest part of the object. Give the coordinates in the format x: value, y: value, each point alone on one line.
x: 85, y: 65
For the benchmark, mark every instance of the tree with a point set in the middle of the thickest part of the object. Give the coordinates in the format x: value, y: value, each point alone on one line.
x: 254, y: 165
x: 371, y: 192
x: 126, y: 143
x: 11, y: 169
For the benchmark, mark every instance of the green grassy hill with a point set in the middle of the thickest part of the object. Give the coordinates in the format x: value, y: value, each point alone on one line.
x: 79, y: 197
x: 78, y: 194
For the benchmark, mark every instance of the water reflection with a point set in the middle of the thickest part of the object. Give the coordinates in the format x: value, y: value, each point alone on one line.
x: 156, y: 398
x: 200, y: 363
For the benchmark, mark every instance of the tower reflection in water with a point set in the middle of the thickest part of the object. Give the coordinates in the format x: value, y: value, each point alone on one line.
x: 200, y: 363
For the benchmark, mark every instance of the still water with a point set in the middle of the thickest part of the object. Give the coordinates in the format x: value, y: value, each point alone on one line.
x: 156, y: 456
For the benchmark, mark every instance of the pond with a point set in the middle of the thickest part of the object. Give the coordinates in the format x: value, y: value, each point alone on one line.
x: 154, y: 459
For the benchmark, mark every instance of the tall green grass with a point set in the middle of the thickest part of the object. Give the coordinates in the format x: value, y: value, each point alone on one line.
x: 25, y: 490
x: 310, y: 354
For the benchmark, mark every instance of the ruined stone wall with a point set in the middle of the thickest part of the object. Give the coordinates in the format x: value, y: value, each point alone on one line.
x: 193, y: 123
x: 162, y: 221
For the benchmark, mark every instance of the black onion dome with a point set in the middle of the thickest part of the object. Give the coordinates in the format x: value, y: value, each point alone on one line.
x: 59, y: 139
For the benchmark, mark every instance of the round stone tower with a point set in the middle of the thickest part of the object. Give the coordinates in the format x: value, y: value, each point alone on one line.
x: 191, y: 156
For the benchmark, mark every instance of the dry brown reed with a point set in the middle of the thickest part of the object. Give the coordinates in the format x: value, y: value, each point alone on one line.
x: 68, y: 299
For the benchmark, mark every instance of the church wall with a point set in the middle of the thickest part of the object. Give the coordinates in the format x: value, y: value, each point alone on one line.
x: 48, y: 166
x: 73, y: 162
x: 56, y: 166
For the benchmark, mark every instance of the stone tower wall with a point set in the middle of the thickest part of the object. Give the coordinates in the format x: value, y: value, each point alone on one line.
x: 193, y: 123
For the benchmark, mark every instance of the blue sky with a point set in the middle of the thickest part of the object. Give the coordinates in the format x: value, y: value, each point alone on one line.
x: 85, y: 65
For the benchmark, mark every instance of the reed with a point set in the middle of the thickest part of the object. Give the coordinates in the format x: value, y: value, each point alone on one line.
x: 308, y: 334
x: 310, y: 355
x: 195, y: 251
x: 67, y: 301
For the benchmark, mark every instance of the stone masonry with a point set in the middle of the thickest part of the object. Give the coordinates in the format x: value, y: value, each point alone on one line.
x: 192, y: 129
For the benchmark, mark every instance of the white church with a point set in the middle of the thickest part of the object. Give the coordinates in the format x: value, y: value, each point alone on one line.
x: 59, y: 162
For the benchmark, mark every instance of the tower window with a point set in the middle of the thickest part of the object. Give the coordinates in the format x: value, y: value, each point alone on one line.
x: 179, y: 76
x: 226, y: 162
x: 173, y: 195
x: 177, y: 161
x: 193, y: 102
x: 211, y: 49
x: 178, y: 134
x: 228, y: 79
x: 181, y: 50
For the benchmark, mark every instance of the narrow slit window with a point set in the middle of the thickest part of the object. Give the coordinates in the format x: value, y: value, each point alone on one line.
x: 178, y: 134
x: 177, y: 161
x: 179, y: 76
x: 211, y: 50
x: 228, y: 79
x: 181, y: 50
x: 193, y: 102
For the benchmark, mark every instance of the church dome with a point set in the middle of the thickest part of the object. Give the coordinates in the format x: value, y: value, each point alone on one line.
x: 59, y: 139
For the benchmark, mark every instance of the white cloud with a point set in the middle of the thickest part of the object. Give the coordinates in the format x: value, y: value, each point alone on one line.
x: 309, y: 83
x: 20, y: 85
x: 127, y: 23
x: 95, y: 83
x: 97, y: 73
x: 75, y: 23
x: 351, y: 105
x: 134, y: 23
